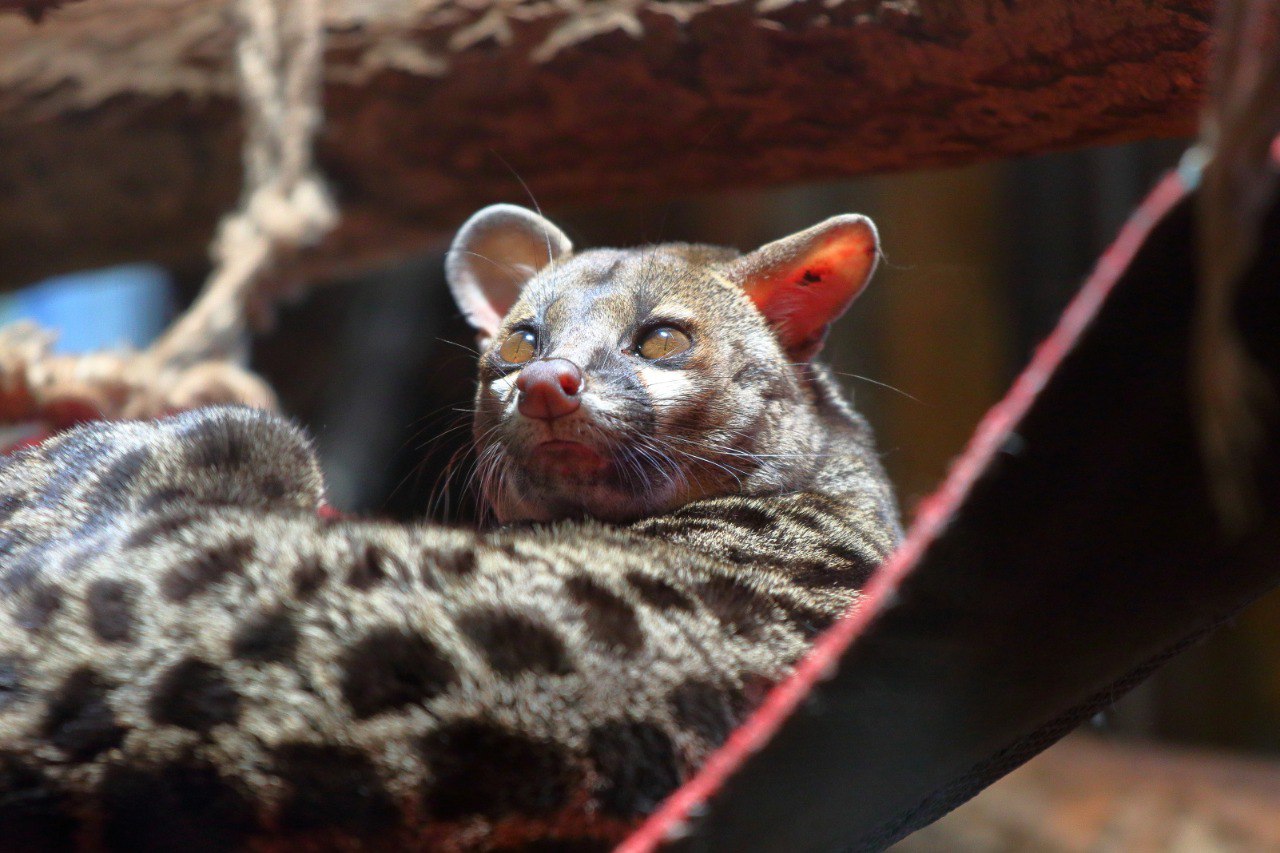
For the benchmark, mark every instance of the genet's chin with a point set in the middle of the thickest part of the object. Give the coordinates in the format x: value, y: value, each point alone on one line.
x: 567, y: 463
x: 571, y: 482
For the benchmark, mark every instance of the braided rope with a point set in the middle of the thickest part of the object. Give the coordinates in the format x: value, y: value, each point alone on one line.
x: 279, y: 57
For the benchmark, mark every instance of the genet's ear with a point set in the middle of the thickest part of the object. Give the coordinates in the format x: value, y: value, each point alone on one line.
x: 494, y: 255
x: 802, y: 283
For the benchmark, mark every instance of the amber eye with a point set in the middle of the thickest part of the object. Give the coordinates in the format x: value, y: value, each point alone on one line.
x: 519, y: 347
x: 663, y: 342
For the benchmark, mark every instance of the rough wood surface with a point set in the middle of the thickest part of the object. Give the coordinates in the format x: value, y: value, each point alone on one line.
x: 119, y: 129
x: 33, y: 9
x: 1092, y: 794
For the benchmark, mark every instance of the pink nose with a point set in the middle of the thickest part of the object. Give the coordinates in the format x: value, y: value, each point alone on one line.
x: 549, y: 389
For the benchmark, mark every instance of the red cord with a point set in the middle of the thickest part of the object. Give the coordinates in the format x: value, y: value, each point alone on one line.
x: 669, y: 821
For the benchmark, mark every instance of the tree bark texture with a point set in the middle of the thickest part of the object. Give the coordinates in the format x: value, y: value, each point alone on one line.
x: 1087, y: 793
x: 119, y: 125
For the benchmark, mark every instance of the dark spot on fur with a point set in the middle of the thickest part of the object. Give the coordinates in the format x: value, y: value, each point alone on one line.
x: 808, y: 520
x: 510, y: 550
x: 752, y: 373
x: 20, y: 569
x: 809, y: 277
x: 858, y: 565
x: 9, y: 504
x: 34, y: 816
x: 214, y: 446
x: 37, y: 606
x: 477, y: 768
x: 124, y: 470
x: 513, y: 644
x: 270, y: 636
x: 738, y: 607
x: 368, y: 568
x: 174, y: 807
x: 154, y: 530
x: 195, y: 695
x: 752, y: 518
x: 637, y: 765
x: 809, y: 621
x: 165, y: 498
x: 307, y: 577
x: 201, y: 572
x: 10, y: 682
x: 272, y: 487
x: 744, y: 555
x: 389, y: 669
x: 610, y: 620
x: 703, y: 709
x: 458, y: 562
x: 815, y: 575
x: 521, y: 554
x: 79, y: 720
x: 332, y: 787
x: 657, y: 593
x: 111, y: 609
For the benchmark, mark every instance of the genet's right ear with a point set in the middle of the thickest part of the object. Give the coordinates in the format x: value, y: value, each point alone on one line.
x: 494, y: 255
x: 802, y: 283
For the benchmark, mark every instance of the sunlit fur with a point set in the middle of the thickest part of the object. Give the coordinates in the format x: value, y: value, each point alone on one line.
x: 730, y: 415
x: 193, y: 656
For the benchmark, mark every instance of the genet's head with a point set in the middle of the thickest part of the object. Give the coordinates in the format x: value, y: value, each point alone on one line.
x: 623, y: 383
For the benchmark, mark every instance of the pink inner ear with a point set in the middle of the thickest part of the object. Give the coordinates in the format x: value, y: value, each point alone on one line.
x: 802, y: 295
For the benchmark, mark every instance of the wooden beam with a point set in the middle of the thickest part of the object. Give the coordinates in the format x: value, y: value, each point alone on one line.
x: 33, y: 9
x: 119, y: 125
x: 1088, y: 793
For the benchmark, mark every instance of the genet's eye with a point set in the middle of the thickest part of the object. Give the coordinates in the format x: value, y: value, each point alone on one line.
x: 519, y: 347
x: 663, y: 342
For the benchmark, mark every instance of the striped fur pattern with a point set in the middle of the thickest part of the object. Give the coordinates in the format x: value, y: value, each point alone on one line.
x: 192, y: 658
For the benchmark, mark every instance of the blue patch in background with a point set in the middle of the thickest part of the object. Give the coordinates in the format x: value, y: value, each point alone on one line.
x: 96, y: 310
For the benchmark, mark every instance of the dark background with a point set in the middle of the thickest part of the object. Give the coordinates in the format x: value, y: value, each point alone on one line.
x: 980, y: 262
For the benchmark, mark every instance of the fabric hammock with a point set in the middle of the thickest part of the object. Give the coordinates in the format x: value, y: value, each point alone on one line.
x: 1074, y: 547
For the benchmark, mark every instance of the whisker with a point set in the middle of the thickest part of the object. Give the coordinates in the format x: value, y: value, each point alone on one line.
x: 529, y: 193
x: 516, y: 273
x: 882, y: 385
x: 462, y: 347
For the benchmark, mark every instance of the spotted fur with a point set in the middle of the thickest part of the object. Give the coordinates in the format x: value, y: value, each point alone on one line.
x: 191, y: 657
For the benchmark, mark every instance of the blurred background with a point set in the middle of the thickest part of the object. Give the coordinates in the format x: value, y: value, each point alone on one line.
x: 980, y: 263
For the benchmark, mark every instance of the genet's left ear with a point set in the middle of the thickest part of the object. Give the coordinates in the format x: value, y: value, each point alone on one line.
x: 496, y: 253
x: 802, y: 283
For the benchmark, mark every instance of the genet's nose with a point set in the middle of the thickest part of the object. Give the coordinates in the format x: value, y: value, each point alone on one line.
x: 549, y: 389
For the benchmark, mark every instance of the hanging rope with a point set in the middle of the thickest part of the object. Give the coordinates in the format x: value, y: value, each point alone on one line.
x: 1241, y: 135
x: 279, y: 57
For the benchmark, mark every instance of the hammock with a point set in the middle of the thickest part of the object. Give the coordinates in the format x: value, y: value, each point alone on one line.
x: 1074, y: 548
x: 1078, y: 543
x: 1121, y: 502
